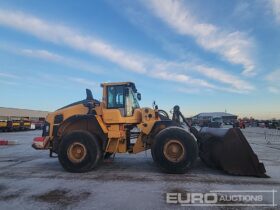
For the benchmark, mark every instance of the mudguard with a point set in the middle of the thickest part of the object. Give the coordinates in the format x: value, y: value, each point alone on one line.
x: 228, y: 150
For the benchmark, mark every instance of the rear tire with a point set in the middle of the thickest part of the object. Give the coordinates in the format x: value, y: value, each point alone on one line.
x: 79, y: 151
x: 174, y: 150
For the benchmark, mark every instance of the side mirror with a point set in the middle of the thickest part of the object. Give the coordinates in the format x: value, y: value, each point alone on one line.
x: 139, y: 96
x: 89, y: 94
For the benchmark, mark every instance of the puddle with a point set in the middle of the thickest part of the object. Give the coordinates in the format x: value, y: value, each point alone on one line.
x: 61, y: 197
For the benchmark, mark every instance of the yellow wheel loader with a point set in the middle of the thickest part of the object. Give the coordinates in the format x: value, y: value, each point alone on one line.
x: 84, y: 133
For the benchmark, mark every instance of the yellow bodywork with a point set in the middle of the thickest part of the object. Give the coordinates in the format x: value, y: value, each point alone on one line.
x: 112, y: 122
x: 15, y: 124
x: 66, y: 112
x: 3, y: 124
x: 26, y: 124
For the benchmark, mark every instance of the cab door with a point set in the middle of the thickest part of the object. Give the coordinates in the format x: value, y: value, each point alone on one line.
x: 119, y: 108
x: 115, y: 104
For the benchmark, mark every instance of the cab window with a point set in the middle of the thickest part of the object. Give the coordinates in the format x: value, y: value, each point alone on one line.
x: 131, y: 102
x: 115, y: 97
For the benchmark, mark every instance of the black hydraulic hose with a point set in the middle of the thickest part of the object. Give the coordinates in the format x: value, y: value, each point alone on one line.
x: 176, y: 116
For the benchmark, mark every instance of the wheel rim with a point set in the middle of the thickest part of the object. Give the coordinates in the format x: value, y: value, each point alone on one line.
x: 174, y: 151
x: 76, y: 152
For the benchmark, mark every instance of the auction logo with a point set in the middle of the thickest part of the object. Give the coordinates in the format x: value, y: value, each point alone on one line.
x: 224, y: 198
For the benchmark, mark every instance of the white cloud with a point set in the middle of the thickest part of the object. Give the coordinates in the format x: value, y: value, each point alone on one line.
x: 82, y: 81
x: 8, y: 78
x: 273, y: 89
x: 224, y: 77
x: 8, y: 82
x: 61, y: 34
x: 65, y: 35
x: 58, y: 81
x: 241, y: 8
x: 275, y: 5
x: 235, y: 47
x: 50, y: 56
x: 42, y: 54
x: 188, y: 90
x: 8, y: 75
x: 181, y: 78
x: 218, y: 75
x: 274, y: 76
x: 151, y: 67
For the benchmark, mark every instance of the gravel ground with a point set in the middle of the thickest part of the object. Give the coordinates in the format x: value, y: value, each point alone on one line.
x: 30, y: 179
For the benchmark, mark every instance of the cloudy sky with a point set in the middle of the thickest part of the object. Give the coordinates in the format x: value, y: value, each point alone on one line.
x: 202, y: 55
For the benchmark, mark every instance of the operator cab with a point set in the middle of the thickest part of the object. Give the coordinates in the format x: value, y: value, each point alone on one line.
x: 121, y: 96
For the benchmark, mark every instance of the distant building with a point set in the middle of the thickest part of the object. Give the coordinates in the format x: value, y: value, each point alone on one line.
x: 206, y: 117
x: 18, y: 114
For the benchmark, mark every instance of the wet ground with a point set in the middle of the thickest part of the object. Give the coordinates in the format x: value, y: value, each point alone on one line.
x: 30, y: 179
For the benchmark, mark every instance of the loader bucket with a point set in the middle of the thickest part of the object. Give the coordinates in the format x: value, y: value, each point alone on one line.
x: 228, y: 150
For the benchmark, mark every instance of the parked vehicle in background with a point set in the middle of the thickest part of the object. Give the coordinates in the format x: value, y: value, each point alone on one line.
x: 242, y: 124
x: 39, y: 124
x: 18, y: 124
x: 273, y: 125
x: 261, y: 125
x: 215, y: 124
x: 25, y: 124
x: 13, y: 125
x: 3, y: 125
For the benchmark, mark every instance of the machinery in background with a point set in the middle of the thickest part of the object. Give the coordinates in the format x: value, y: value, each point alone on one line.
x: 15, y: 124
x: 3, y: 125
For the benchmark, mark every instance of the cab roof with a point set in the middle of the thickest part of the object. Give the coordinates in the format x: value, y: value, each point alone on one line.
x: 116, y: 83
x: 128, y: 84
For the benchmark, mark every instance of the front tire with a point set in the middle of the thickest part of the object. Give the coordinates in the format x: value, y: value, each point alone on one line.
x: 79, y: 152
x: 174, y: 150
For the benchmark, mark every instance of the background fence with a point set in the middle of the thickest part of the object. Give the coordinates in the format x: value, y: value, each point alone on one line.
x: 269, y: 136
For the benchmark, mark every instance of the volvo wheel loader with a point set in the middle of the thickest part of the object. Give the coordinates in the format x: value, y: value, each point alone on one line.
x: 84, y: 133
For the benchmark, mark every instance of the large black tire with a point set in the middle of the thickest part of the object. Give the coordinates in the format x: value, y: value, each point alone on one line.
x: 186, y: 150
x: 79, y: 162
